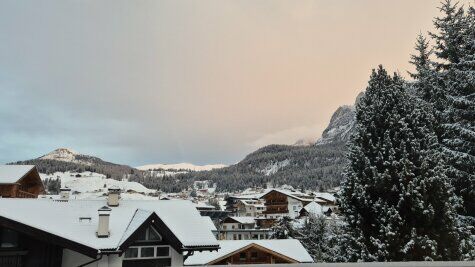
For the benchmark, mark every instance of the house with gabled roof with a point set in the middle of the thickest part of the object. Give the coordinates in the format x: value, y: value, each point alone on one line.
x: 235, y: 252
x: 242, y: 228
x: 280, y: 203
x: 106, y: 233
x: 20, y: 181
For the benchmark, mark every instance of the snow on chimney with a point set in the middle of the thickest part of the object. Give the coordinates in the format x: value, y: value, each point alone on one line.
x: 64, y: 193
x: 113, y: 197
x: 103, y: 225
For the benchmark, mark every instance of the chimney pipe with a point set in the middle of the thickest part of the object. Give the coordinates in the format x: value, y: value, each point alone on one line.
x: 103, y: 225
x: 113, y: 197
x: 64, y: 193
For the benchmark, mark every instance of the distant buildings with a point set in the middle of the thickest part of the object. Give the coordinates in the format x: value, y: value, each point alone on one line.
x: 242, y: 228
x: 20, y: 181
x: 280, y: 203
x: 250, y: 207
x: 232, y: 202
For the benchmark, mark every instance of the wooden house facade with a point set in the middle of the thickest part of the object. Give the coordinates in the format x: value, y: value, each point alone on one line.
x: 20, y: 181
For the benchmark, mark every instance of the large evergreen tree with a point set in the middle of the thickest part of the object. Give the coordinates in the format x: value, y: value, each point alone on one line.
x: 452, y: 94
x: 397, y: 201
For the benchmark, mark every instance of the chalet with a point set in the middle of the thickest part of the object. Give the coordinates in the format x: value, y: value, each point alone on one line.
x: 280, y: 203
x: 241, y: 228
x: 232, y: 201
x: 249, y: 208
x: 253, y: 252
x: 106, y: 233
x: 20, y: 181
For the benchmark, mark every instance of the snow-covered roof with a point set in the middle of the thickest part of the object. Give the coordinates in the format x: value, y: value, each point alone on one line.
x: 326, y: 196
x: 210, y: 223
x: 313, y: 208
x: 290, y: 248
x: 12, y: 173
x: 293, y: 194
x: 62, y: 219
x: 244, y: 220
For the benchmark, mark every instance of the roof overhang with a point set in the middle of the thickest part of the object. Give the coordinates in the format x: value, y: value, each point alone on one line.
x: 48, y: 237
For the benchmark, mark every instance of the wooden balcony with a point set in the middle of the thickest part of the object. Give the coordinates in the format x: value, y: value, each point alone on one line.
x: 277, y: 203
x: 24, y: 194
x: 12, y: 258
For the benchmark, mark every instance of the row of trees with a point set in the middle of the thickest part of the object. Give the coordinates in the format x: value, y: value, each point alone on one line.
x: 409, y: 192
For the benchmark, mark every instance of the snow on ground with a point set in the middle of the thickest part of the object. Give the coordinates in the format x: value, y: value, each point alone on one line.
x: 92, y: 185
x: 275, y: 167
x: 181, y: 166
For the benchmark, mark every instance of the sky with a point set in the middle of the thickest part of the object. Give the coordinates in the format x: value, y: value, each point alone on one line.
x: 209, y: 81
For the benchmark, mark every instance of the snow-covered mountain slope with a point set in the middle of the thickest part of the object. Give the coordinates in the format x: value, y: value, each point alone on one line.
x: 91, y: 184
x: 69, y: 155
x: 65, y: 159
x: 180, y: 167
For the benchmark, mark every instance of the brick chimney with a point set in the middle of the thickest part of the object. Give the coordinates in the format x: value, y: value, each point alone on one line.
x: 113, y: 197
x: 103, y: 224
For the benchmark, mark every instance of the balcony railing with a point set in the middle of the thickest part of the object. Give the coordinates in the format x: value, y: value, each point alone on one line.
x: 24, y: 194
x: 12, y: 258
x: 277, y: 203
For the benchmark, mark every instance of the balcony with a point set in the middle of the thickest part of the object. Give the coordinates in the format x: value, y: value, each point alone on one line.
x: 277, y: 203
x: 12, y: 258
x: 24, y: 194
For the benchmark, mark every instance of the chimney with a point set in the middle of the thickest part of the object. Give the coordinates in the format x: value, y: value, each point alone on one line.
x: 103, y: 225
x: 113, y: 197
x: 64, y: 193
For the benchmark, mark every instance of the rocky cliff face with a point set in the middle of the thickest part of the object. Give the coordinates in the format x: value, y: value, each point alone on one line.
x: 340, y: 127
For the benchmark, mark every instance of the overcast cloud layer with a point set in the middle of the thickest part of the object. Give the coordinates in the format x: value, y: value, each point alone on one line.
x: 150, y: 81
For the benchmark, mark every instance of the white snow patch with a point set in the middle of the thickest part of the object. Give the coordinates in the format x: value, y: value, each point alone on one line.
x: 275, y: 167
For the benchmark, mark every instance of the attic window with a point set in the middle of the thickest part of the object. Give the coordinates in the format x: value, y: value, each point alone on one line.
x: 150, y: 234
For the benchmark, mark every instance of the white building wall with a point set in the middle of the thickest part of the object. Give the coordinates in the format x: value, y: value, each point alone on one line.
x: 73, y: 259
x: 294, y: 207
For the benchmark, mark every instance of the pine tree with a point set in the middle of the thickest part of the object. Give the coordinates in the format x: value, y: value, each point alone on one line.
x: 283, y: 228
x: 398, y: 203
x: 321, y: 238
x: 449, y: 40
x: 455, y: 98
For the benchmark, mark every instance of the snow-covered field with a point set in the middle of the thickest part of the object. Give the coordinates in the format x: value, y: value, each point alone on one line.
x: 93, y: 185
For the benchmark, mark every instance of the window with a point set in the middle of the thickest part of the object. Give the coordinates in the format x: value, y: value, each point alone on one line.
x: 150, y: 234
x: 147, y: 252
x: 254, y: 255
x: 8, y: 238
x: 242, y: 256
x: 131, y: 253
x: 163, y: 251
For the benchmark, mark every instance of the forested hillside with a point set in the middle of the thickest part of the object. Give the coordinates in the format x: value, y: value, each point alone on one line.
x: 316, y: 167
